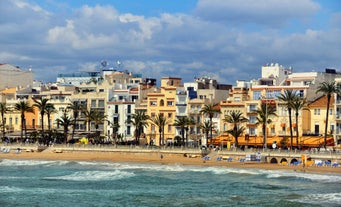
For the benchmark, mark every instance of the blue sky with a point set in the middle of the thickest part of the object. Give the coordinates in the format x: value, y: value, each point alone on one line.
x: 225, y: 39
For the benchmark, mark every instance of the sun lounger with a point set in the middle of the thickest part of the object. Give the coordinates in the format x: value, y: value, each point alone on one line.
x: 6, y: 150
x: 335, y: 165
x: 206, y: 158
x: 230, y: 159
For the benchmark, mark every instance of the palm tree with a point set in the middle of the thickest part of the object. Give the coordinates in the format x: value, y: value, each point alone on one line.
x: 41, y: 104
x: 138, y: 120
x: 65, y: 121
x: 327, y: 88
x: 23, y: 107
x: 182, y: 122
x: 76, y: 107
x: 3, y: 110
x: 98, y: 118
x: 210, y: 111
x: 206, y: 128
x: 235, y: 118
x: 115, y: 127
x: 88, y: 114
x: 160, y: 121
x: 49, y: 110
x: 288, y: 97
x: 298, y: 104
x: 263, y: 114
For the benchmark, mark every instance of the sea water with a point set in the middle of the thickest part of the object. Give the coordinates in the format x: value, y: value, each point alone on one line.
x: 70, y: 183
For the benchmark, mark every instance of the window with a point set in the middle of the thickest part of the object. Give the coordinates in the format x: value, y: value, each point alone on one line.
x: 237, y: 99
x: 162, y: 102
x: 129, y: 109
x: 169, y: 115
x: 170, y: 103
x: 101, y: 90
x: 128, y: 130
x: 330, y: 111
x: 256, y: 95
x: 152, y: 115
x: 101, y: 103
x: 116, y: 109
x: 93, y: 103
x: 16, y: 120
x: 169, y: 128
x: 252, y: 131
x: 61, y: 109
x: 152, y: 103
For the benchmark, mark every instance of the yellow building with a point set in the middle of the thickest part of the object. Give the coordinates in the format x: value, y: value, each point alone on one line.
x: 162, y: 102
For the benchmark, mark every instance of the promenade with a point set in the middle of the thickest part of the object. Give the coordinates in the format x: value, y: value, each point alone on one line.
x: 265, y: 155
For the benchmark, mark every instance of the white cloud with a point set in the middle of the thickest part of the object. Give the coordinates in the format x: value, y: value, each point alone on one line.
x: 214, y: 40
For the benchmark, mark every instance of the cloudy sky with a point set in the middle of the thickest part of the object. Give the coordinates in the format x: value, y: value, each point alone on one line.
x: 225, y: 39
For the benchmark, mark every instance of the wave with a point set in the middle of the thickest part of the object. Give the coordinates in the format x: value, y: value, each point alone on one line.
x: 9, y: 162
x: 326, y: 178
x: 93, y: 176
x: 327, y: 199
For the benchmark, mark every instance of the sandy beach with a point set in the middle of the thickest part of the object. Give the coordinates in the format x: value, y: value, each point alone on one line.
x: 161, y: 158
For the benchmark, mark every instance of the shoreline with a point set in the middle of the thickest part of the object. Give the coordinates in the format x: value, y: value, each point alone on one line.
x: 164, y: 158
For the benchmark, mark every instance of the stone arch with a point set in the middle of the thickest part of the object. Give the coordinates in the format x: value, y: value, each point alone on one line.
x: 284, y: 160
x: 273, y: 160
x: 294, y: 160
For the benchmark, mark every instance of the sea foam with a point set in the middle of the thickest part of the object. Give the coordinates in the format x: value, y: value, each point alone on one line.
x: 93, y: 176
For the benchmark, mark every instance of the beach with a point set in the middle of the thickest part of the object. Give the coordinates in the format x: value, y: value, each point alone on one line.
x: 163, y: 158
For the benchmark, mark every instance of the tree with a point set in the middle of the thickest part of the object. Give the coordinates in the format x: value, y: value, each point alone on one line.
x: 298, y: 104
x: 88, y: 114
x: 23, y: 107
x: 328, y: 89
x: 138, y: 120
x: 263, y: 114
x: 76, y: 107
x: 98, y: 118
x: 160, y: 121
x: 288, y: 97
x: 183, y: 122
x: 115, y: 127
x: 235, y: 118
x: 65, y: 121
x: 209, y: 110
x: 3, y: 110
x: 41, y: 104
x: 49, y: 110
x: 206, y: 128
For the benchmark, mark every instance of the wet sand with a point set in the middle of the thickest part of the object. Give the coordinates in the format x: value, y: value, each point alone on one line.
x: 158, y: 158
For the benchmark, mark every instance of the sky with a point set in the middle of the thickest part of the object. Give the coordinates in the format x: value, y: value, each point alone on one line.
x: 227, y: 40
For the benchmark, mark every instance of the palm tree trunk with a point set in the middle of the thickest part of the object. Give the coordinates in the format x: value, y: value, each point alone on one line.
x: 211, y: 130
x: 22, y: 127
x: 25, y: 128
x: 296, y: 128
x: 74, y: 127
x: 42, y: 124
x: 290, y: 125
x: 264, y: 136
x: 326, y: 125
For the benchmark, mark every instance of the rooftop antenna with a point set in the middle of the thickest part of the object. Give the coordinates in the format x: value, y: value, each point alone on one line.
x: 104, y: 63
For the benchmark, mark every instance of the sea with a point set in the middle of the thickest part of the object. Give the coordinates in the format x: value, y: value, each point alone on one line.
x: 74, y: 183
